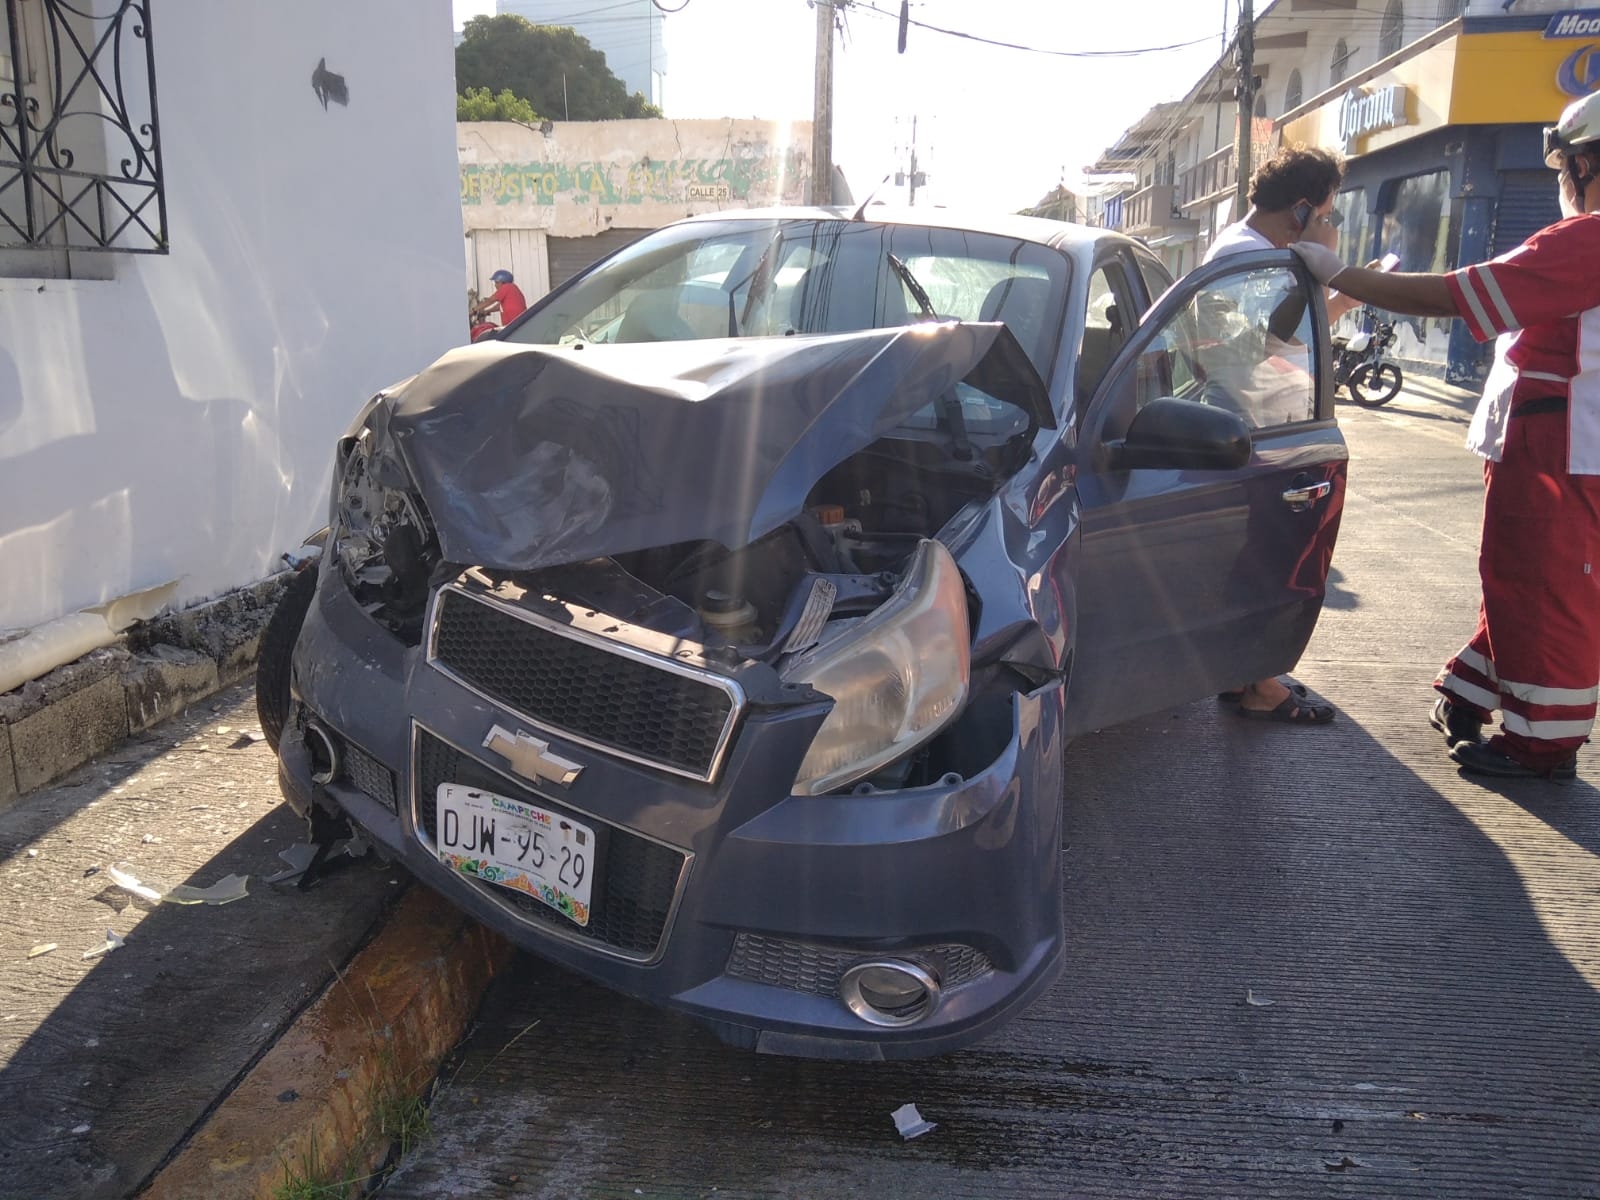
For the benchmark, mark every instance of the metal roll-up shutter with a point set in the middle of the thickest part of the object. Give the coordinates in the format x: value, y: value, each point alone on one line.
x: 568, y: 256
x: 1527, y: 204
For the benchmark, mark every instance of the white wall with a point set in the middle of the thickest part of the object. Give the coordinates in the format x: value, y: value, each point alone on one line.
x: 179, y: 419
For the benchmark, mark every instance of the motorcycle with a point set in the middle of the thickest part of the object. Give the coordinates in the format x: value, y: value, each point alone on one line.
x: 478, y: 325
x: 1359, y: 364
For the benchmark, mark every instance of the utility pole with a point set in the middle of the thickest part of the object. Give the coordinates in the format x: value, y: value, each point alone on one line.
x: 1246, y: 91
x: 822, y: 109
x: 913, y: 200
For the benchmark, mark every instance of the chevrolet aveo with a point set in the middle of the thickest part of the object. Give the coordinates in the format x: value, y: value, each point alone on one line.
x: 718, y: 629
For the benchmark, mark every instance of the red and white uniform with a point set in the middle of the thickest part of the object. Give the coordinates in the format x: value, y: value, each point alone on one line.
x: 1536, y: 653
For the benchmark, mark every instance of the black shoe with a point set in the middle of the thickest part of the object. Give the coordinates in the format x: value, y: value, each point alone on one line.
x: 1478, y: 758
x: 1457, y: 726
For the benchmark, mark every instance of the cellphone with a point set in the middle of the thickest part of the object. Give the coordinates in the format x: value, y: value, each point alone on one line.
x: 1389, y: 262
x: 1302, y: 214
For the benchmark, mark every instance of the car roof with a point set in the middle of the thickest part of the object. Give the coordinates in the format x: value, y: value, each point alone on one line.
x: 1073, y: 239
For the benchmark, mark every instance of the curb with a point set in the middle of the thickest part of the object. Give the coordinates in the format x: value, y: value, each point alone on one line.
x: 84, y: 708
x: 321, y: 1110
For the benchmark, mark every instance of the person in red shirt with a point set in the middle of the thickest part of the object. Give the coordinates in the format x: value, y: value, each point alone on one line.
x: 506, y: 299
x: 1536, y: 653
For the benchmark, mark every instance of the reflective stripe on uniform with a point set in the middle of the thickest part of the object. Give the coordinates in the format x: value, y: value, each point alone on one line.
x: 1469, y: 657
x: 1469, y: 291
x: 1491, y: 288
x: 1470, y: 692
x: 1548, y: 731
x: 1532, y: 693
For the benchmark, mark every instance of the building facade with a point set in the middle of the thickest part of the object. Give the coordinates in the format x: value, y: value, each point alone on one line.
x: 1437, y: 108
x: 627, y: 32
x: 544, y: 205
x: 240, y: 230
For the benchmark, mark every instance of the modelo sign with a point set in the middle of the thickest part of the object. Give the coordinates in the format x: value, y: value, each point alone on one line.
x: 1579, y: 73
x: 1363, y: 112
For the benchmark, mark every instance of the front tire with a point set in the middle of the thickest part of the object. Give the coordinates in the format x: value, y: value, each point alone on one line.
x: 277, y: 652
x: 1373, y: 386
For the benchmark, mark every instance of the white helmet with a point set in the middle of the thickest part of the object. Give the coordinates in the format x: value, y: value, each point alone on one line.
x: 1578, y: 128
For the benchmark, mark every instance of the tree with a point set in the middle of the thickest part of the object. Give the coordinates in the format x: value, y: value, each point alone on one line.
x: 476, y: 104
x: 551, y: 66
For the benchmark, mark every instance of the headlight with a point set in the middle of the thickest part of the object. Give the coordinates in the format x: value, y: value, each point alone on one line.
x: 369, y: 517
x: 382, y: 540
x: 897, y: 677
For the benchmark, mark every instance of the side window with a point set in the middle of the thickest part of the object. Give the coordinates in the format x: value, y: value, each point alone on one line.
x: 1106, y: 324
x: 1246, y: 343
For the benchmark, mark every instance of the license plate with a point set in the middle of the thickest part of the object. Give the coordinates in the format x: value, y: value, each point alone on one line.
x: 519, y: 846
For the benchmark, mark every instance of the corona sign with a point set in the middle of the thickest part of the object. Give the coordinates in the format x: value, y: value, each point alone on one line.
x: 1579, y: 73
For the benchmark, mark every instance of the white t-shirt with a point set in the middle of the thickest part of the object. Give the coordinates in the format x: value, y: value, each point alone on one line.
x: 1236, y: 239
x: 1274, y: 389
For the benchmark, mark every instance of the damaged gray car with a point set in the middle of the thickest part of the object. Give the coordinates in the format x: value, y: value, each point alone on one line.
x: 718, y: 630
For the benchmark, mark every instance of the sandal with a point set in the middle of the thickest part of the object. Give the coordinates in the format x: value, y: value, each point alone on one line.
x: 1237, y: 694
x: 1296, y: 709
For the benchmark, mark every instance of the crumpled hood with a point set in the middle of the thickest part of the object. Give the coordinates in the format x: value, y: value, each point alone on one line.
x: 530, y: 456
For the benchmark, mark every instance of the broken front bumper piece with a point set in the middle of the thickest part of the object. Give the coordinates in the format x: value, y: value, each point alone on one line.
x: 879, y: 924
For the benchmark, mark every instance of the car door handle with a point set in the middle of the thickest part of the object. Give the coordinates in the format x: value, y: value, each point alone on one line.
x: 1305, y: 497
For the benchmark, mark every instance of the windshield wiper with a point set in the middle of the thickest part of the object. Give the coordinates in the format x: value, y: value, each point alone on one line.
x: 760, y: 280
x: 912, y: 286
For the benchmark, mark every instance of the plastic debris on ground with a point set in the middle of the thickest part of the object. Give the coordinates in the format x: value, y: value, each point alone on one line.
x: 909, y: 1123
x: 224, y: 891
x: 299, y: 857
x: 41, y: 949
x: 112, y: 942
x: 1255, y: 1001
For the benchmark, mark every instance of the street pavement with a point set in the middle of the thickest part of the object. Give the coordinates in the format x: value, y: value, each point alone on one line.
x: 1423, y: 952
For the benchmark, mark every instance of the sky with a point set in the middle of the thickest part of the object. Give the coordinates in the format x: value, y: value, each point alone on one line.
x: 996, y: 128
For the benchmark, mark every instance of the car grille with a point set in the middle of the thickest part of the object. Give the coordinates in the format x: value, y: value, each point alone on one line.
x: 604, y: 698
x: 816, y: 970
x: 635, y: 882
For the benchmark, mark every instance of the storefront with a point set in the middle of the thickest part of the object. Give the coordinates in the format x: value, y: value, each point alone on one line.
x: 1443, y: 148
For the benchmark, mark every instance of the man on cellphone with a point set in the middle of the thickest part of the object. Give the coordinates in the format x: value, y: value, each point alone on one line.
x: 1291, y: 200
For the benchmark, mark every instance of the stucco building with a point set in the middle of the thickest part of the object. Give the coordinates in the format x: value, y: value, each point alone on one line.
x: 228, y: 241
x: 545, y: 204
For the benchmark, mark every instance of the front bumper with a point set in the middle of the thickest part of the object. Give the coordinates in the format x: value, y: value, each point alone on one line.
x: 730, y: 901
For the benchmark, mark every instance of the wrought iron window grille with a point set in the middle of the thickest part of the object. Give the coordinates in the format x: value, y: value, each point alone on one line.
x: 71, y: 103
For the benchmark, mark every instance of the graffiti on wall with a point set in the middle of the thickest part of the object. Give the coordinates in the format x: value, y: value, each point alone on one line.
x: 763, y: 178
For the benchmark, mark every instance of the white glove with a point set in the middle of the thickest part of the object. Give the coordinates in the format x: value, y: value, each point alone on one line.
x: 1323, y: 263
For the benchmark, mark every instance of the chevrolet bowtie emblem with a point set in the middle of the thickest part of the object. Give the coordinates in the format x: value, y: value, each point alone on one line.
x: 530, y: 757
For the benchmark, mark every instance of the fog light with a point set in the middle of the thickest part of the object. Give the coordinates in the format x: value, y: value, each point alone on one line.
x: 323, y: 750
x: 889, y: 992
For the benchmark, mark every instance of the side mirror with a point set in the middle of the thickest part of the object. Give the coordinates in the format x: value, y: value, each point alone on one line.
x: 1182, y: 435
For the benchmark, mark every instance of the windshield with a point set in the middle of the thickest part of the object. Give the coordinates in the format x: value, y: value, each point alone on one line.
x: 713, y: 279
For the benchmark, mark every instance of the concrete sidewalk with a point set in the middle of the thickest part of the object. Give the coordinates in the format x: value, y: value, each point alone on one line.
x: 278, y: 1044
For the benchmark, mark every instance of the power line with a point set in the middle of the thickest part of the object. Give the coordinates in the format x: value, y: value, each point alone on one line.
x: 973, y: 37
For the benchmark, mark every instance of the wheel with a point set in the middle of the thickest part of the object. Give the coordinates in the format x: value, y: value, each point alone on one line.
x: 1372, y: 386
x: 277, y: 649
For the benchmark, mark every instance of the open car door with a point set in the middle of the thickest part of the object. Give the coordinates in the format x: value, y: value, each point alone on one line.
x: 1211, y: 475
